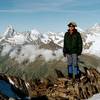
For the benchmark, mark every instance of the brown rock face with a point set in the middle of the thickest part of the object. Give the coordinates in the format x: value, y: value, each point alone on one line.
x: 60, y: 89
x: 17, y: 85
x: 87, y: 86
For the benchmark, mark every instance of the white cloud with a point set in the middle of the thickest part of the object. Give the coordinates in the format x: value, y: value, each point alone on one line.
x: 6, y: 50
x: 47, y: 54
x: 30, y: 52
x: 27, y: 52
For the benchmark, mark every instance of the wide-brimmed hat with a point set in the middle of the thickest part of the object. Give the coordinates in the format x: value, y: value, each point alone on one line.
x: 72, y: 24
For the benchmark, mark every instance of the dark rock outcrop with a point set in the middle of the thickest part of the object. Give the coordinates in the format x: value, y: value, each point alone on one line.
x: 60, y: 89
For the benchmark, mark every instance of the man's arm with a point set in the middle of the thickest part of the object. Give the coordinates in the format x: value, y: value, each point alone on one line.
x: 64, y: 49
x: 80, y: 44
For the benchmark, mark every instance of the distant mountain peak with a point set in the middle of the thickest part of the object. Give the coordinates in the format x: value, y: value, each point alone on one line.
x: 94, y: 29
x: 35, y: 32
x: 90, y: 36
x: 9, y: 31
x: 96, y: 25
x: 80, y: 30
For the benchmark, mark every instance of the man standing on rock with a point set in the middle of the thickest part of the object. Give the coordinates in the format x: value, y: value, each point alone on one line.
x: 72, y: 49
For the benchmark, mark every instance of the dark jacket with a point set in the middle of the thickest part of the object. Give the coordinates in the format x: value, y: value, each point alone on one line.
x: 72, y: 43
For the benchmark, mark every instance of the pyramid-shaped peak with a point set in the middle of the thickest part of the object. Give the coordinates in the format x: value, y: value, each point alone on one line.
x: 9, y: 31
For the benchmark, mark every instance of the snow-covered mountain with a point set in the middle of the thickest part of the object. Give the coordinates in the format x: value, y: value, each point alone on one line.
x: 10, y: 32
x: 25, y: 44
x: 94, y: 29
x: 92, y: 40
x: 13, y: 37
x: 29, y: 44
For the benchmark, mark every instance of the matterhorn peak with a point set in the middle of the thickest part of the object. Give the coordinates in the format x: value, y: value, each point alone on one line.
x: 9, y: 31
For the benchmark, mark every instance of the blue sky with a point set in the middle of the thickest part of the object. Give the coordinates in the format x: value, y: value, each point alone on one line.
x: 48, y: 15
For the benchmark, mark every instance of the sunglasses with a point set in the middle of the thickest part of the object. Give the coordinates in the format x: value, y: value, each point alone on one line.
x: 71, y: 26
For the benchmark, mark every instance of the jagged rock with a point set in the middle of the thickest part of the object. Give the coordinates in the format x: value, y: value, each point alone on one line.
x: 88, y: 85
x: 40, y: 98
x: 59, y: 73
x: 3, y: 97
x: 60, y: 89
x: 16, y: 86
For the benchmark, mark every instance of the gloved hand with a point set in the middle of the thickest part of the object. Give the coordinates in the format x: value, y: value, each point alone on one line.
x: 64, y: 54
x: 79, y: 54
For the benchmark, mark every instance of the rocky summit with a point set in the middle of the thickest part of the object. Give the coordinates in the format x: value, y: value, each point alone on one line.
x: 47, y: 89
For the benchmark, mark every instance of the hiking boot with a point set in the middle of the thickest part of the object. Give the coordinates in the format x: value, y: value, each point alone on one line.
x: 70, y: 76
x: 77, y: 77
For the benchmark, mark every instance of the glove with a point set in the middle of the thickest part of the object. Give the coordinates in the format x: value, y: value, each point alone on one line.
x: 78, y: 54
x: 64, y: 54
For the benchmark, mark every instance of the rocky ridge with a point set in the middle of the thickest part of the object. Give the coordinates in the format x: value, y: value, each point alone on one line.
x: 60, y: 89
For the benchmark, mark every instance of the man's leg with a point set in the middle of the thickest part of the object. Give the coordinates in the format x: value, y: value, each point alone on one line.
x: 70, y: 67
x: 75, y: 65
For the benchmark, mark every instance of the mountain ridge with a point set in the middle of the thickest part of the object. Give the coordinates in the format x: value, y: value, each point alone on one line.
x: 50, y: 42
